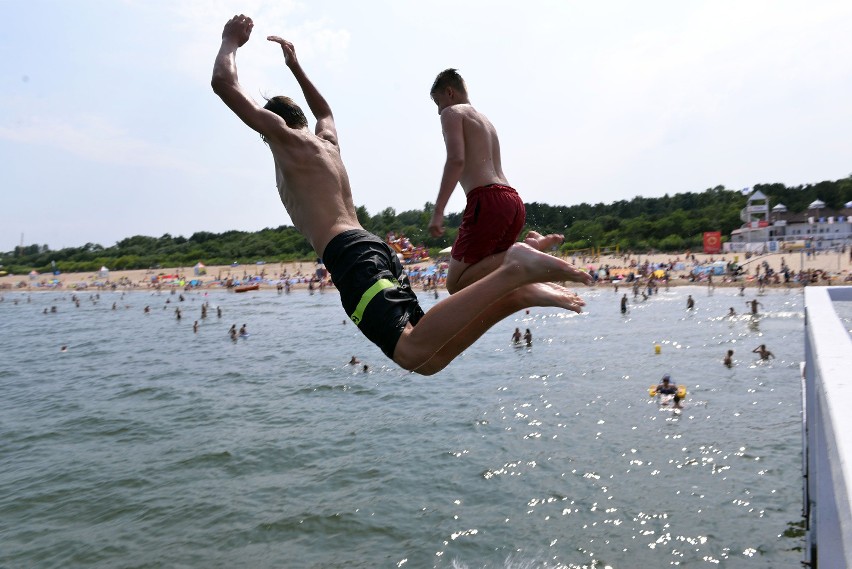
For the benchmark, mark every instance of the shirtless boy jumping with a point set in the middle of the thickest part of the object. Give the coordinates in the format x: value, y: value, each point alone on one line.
x: 314, y: 187
x: 494, y: 215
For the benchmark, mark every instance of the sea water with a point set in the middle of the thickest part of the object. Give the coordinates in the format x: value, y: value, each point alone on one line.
x: 146, y: 445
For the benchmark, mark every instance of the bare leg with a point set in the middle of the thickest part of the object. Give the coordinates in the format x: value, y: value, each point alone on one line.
x: 537, y: 294
x: 477, y: 306
x: 462, y: 274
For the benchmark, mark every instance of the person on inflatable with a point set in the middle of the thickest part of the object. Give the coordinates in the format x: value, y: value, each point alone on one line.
x: 668, y: 388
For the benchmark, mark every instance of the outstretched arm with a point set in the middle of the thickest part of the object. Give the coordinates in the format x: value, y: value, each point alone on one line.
x: 319, y: 106
x: 226, y: 84
x: 452, y: 127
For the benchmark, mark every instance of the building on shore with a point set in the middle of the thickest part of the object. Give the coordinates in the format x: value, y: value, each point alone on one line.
x: 770, y: 230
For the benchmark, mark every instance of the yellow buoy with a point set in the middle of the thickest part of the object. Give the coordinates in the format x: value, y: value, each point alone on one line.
x: 657, y: 349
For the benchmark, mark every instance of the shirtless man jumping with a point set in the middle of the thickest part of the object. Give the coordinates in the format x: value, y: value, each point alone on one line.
x: 494, y: 215
x: 314, y: 187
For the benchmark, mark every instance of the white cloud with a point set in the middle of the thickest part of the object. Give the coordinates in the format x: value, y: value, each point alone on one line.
x: 92, y: 138
x: 200, y: 24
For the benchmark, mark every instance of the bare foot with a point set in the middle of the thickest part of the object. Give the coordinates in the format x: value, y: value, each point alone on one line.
x: 541, y: 267
x: 543, y: 242
x: 549, y: 294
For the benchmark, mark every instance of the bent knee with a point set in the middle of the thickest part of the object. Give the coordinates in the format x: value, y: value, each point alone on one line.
x: 414, y: 360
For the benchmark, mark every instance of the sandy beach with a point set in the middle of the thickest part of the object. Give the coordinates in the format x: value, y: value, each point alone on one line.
x: 836, y: 265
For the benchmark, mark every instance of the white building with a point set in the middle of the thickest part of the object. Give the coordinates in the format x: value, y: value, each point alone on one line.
x: 776, y: 229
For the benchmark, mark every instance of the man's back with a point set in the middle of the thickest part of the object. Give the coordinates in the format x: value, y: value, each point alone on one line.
x: 482, y: 164
x: 314, y: 186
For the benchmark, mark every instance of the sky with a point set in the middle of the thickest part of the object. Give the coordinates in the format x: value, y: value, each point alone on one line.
x: 109, y: 127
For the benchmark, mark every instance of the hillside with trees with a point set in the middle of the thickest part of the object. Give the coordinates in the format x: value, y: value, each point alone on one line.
x: 668, y: 223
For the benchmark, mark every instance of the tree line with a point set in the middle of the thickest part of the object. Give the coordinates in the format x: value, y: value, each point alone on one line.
x: 668, y: 223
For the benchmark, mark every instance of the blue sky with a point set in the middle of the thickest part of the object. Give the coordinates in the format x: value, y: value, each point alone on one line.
x: 109, y: 128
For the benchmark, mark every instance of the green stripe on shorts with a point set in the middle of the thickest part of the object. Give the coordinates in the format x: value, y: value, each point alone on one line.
x: 368, y: 295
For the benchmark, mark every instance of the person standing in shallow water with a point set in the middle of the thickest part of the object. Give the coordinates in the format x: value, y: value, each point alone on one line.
x: 690, y: 302
x: 763, y: 352
x: 375, y: 293
x: 528, y: 337
x: 495, y: 214
x: 753, y: 304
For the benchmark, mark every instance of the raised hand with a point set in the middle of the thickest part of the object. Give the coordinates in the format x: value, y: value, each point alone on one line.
x: 238, y: 29
x: 287, y: 47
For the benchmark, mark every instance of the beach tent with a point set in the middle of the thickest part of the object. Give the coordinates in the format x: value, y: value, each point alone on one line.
x: 200, y: 269
x: 103, y: 273
x: 717, y: 269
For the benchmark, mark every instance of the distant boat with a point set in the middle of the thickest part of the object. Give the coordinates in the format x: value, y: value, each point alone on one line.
x: 245, y: 288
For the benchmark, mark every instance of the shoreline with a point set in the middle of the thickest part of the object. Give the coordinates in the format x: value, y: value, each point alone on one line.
x: 836, y: 265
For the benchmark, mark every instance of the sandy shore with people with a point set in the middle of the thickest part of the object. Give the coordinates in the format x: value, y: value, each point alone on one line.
x: 836, y: 264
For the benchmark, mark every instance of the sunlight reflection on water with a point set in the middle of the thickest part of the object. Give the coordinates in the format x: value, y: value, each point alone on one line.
x: 190, y: 449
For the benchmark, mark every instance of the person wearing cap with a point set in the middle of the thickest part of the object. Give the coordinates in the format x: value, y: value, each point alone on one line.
x: 666, y: 387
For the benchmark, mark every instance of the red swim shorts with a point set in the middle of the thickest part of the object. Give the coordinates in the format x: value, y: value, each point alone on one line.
x: 493, y: 219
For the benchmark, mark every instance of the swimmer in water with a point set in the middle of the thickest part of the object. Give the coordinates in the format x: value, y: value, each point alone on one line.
x: 753, y: 304
x: 516, y: 336
x: 667, y: 388
x: 763, y: 352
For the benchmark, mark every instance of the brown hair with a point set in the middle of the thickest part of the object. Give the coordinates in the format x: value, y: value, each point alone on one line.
x: 288, y: 110
x: 448, y: 78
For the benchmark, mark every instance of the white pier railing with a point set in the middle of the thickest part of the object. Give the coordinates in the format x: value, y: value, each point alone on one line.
x: 827, y: 421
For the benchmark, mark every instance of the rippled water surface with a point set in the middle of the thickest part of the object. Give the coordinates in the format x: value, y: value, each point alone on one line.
x: 844, y: 312
x: 148, y: 446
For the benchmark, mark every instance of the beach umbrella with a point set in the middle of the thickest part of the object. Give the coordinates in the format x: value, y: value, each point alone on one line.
x: 817, y: 204
x: 445, y: 251
x: 848, y: 204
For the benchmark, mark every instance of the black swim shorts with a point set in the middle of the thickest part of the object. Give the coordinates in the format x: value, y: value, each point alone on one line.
x: 374, y: 291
